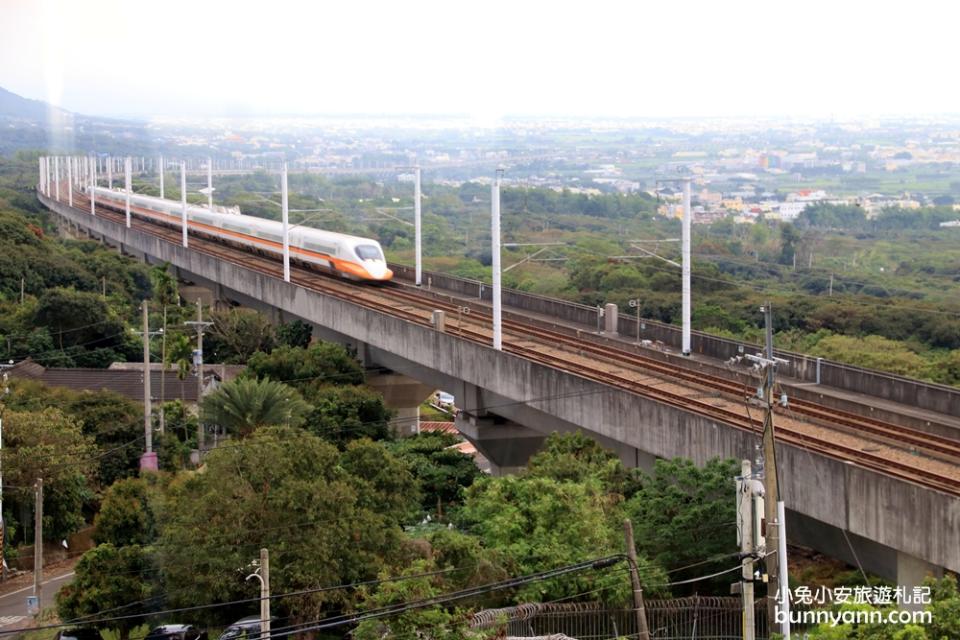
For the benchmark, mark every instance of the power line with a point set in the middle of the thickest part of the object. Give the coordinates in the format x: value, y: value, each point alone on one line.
x: 348, y: 585
x: 390, y: 610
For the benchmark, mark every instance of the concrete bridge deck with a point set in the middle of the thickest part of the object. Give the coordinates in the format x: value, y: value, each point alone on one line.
x: 898, y: 528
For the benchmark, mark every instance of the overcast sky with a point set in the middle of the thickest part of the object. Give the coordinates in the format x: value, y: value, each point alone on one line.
x: 484, y: 59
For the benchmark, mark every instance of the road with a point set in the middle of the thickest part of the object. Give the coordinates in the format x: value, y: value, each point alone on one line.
x: 13, y: 605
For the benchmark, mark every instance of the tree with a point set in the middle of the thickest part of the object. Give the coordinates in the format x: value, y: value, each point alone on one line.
x: 789, y: 237
x: 243, y: 404
x: 944, y: 611
x: 431, y: 623
x: 320, y: 364
x: 295, y: 334
x: 443, y: 471
x: 113, y: 422
x: 109, y: 578
x: 126, y: 516
x: 237, y: 334
x: 683, y: 514
x: 574, y: 457
x: 47, y: 444
x: 327, y: 518
x: 82, y: 326
x: 344, y: 414
x: 538, y: 523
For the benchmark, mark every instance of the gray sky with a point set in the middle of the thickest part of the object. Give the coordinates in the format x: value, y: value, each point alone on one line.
x: 484, y: 59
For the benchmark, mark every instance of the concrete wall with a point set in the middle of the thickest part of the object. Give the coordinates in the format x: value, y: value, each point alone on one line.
x: 893, y: 513
x: 934, y: 397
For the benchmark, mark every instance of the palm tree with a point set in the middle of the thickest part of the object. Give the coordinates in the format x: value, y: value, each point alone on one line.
x: 242, y: 405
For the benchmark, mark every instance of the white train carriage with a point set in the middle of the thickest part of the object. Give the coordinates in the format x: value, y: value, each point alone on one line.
x: 349, y: 256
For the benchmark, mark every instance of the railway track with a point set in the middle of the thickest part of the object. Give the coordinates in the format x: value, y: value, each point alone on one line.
x: 945, y: 447
x: 477, y: 329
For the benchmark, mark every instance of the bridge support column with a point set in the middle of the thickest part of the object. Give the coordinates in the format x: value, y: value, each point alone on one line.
x: 404, y: 396
x: 507, y: 445
x: 911, y: 572
x: 191, y: 292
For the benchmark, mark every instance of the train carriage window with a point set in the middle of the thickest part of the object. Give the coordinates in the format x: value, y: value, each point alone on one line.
x: 238, y: 228
x: 266, y: 235
x: 320, y: 248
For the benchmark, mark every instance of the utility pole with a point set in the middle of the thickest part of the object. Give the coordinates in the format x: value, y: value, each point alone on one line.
x: 770, y: 474
x: 262, y: 574
x: 126, y: 171
x: 783, y: 597
x: 495, y: 255
x: 416, y: 225
x: 831, y: 286
x: 285, y: 220
x: 93, y: 186
x: 3, y: 406
x: 38, y: 542
x: 642, y: 632
x: 775, y: 563
x: 749, y: 494
x: 56, y: 176
x: 685, y: 268
x: 264, y: 594
x: 148, y: 461
x: 199, y: 325
x: 161, y: 177
x: 69, y: 162
x: 210, y: 183
x: 110, y: 173
x: 183, y: 200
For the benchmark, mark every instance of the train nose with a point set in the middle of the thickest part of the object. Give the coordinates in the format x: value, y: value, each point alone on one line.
x: 378, y: 270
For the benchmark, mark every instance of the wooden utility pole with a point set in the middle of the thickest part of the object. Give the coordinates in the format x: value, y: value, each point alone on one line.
x: 770, y: 479
x: 38, y: 541
x: 642, y: 632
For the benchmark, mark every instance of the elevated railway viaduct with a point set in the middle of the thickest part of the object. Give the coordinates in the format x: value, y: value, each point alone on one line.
x: 888, y: 494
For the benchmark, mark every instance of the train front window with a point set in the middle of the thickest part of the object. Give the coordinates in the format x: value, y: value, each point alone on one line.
x: 368, y: 252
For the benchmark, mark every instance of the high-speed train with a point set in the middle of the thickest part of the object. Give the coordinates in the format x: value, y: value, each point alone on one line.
x: 349, y: 256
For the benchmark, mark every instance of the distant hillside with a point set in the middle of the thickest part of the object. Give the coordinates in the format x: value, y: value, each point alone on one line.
x: 14, y: 106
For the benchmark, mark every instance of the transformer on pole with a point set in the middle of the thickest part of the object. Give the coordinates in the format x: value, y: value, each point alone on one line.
x: 495, y: 259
